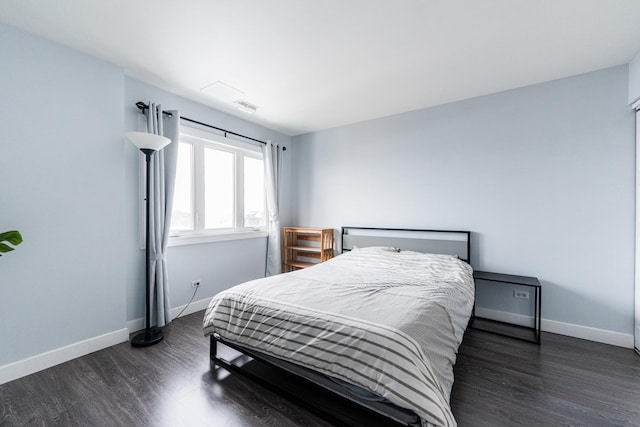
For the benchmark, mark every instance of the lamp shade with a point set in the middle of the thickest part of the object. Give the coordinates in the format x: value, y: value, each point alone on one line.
x: 148, y: 141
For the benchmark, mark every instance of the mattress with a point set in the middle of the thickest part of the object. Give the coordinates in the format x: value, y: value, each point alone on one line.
x: 389, y: 322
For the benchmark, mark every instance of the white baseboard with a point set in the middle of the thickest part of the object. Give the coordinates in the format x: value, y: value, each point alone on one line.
x: 135, y: 325
x: 51, y: 358
x: 37, y: 363
x: 577, y: 331
x: 504, y: 316
x: 138, y: 324
x: 193, y: 307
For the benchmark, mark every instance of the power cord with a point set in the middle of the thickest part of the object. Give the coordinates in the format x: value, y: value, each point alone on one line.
x: 185, y: 307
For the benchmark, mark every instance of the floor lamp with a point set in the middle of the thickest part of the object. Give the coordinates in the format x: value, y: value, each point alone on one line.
x: 148, y: 143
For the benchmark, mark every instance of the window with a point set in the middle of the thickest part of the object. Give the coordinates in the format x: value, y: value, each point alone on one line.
x: 219, y: 187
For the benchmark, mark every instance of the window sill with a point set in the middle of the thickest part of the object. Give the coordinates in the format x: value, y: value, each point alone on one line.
x: 210, y: 238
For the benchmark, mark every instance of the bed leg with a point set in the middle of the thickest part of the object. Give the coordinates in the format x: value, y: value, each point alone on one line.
x: 213, y: 351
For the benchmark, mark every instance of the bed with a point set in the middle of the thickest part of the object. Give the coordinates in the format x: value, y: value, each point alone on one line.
x: 379, y: 324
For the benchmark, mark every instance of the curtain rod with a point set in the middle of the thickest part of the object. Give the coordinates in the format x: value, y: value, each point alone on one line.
x: 142, y: 106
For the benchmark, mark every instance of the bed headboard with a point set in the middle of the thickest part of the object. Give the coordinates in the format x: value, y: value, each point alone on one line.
x: 448, y: 242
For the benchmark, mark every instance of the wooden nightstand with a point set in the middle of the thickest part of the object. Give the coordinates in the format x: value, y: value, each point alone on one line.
x: 306, y: 247
x: 504, y: 328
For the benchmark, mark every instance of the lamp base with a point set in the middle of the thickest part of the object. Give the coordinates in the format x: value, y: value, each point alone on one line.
x: 148, y: 337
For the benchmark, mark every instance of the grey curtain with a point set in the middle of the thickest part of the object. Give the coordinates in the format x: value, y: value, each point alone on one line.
x: 163, y: 174
x: 272, y: 156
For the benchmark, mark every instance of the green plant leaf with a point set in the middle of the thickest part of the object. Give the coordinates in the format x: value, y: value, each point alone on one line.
x: 13, y: 237
x: 5, y: 248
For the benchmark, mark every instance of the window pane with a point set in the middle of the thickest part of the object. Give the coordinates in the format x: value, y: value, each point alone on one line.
x: 254, y: 206
x: 182, y: 212
x: 218, y: 189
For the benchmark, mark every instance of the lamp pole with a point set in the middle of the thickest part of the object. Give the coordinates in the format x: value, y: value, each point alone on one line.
x: 150, y: 335
x: 148, y: 143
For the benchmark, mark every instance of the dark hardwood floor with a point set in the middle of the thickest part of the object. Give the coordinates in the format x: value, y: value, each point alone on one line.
x: 499, y: 381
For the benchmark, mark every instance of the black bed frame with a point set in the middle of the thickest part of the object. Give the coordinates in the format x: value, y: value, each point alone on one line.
x: 384, y: 408
x: 402, y: 416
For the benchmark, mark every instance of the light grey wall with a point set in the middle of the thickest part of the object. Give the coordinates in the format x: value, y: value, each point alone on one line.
x: 634, y: 79
x: 634, y: 95
x: 70, y: 185
x: 543, y: 176
x: 61, y: 175
x: 221, y: 264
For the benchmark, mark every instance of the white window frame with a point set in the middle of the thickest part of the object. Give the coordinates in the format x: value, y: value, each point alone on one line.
x: 199, y: 140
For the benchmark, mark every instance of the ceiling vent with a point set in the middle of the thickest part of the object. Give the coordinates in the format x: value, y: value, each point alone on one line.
x: 246, y: 106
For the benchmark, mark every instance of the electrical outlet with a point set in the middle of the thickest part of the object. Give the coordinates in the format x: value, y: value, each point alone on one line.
x: 195, y: 283
x: 521, y: 294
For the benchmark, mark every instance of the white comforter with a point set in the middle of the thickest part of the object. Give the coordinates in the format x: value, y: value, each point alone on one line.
x: 390, y: 322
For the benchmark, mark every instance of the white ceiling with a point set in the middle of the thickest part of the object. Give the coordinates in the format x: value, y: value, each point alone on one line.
x: 312, y: 65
